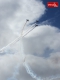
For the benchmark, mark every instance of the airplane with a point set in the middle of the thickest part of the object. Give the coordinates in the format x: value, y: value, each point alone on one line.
x: 36, y: 25
x: 37, y: 21
x: 27, y: 19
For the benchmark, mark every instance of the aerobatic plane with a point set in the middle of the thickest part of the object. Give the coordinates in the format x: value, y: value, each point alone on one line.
x: 27, y: 19
x: 36, y: 25
x: 37, y: 21
x: 17, y: 39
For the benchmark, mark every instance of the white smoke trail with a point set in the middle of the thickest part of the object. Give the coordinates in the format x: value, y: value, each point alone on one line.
x: 8, y: 50
x: 31, y: 73
x: 17, y: 39
x: 6, y: 47
x: 28, y: 30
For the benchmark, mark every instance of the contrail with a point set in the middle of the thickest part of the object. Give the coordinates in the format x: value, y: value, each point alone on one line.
x: 16, y: 40
x: 31, y: 73
x: 29, y: 31
x: 8, y: 50
x: 12, y: 41
x: 24, y: 27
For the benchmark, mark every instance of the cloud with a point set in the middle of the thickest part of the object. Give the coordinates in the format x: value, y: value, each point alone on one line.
x: 12, y: 16
x: 14, y: 13
x: 35, y: 44
x: 41, y: 46
x: 42, y: 38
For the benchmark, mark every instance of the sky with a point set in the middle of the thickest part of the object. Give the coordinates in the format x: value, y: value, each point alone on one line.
x: 41, y: 47
x: 53, y: 14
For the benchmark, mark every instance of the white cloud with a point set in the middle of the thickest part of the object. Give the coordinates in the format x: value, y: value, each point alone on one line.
x: 42, y: 41
x: 43, y: 66
x: 14, y: 13
x: 41, y: 38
